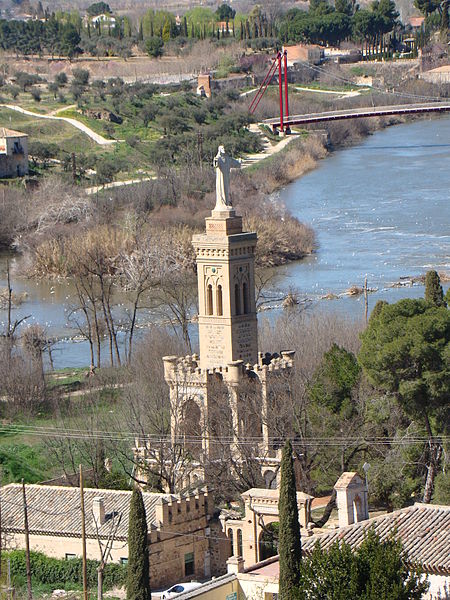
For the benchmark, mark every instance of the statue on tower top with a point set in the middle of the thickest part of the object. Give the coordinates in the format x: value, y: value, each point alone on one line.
x: 223, y: 165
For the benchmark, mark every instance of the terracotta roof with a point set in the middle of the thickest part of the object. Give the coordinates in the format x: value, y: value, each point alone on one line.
x: 54, y: 510
x: 424, y: 530
x: 262, y: 493
x: 416, y: 21
x: 347, y: 479
x: 5, y: 133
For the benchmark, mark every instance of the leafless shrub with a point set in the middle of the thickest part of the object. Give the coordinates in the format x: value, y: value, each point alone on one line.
x: 22, y: 387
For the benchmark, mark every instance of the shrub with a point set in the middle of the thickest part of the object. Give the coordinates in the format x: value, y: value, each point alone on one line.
x: 61, y: 79
x: 154, y: 47
x: 36, y: 94
x: 60, y: 572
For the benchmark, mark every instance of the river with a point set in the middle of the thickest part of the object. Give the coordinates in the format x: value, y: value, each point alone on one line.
x: 380, y: 209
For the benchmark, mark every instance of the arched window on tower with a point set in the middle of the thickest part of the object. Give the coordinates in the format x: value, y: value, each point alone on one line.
x: 237, y: 299
x: 219, y: 304
x: 246, y: 298
x: 230, y: 537
x: 240, y: 549
x: 209, y: 300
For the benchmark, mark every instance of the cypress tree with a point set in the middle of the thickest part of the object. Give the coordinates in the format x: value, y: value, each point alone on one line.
x: 138, y: 577
x: 433, y: 289
x: 290, y: 547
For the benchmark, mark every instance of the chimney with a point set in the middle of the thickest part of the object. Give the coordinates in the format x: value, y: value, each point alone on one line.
x: 98, y: 511
x: 235, y: 564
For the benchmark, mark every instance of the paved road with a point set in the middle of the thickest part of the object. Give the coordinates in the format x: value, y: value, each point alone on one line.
x: 99, y: 139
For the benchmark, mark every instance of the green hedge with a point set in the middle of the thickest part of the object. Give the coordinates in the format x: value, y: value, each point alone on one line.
x: 59, y: 572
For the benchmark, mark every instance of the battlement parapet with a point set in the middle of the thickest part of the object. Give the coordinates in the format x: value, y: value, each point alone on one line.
x: 179, y: 370
x: 178, y: 509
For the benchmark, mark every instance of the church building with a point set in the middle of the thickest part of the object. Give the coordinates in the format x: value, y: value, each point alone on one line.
x: 222, y: 400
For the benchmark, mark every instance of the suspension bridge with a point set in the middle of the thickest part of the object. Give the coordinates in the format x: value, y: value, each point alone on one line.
x: 284, y: 121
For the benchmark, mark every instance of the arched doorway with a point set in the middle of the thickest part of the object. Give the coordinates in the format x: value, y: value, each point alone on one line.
x: 270, y: 480
x: 192, y: 420
x: 268, y: 541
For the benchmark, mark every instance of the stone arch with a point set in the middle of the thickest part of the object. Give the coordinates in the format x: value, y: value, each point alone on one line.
x: 267, y: 541
x: 192, y: 426
x: 240, y: 546
x: 237, y: 299
x: 209, y: 299
x: 230, y: 536
x: 270, y: 479
x: 246, y: 297
x: 250, y: 406
x: 219, y: 301
x: 220, y: 422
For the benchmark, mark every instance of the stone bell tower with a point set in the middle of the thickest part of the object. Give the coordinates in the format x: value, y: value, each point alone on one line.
x: 226, y: 291
x: 210, y: 411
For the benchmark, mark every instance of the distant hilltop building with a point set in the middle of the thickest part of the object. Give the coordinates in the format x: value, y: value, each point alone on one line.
x: 13, y: 153
x: 227, y: 396
x: 301, y: 53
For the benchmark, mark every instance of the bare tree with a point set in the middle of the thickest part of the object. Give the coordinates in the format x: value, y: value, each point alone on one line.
x: 105, y: 547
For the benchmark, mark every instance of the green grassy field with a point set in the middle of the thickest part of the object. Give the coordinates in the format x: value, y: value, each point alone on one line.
x: 69, y: 139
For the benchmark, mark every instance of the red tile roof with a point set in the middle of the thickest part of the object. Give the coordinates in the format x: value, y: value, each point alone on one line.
x: 424, y: 530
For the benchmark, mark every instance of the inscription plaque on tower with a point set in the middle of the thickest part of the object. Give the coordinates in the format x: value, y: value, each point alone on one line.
x: 214, y: 335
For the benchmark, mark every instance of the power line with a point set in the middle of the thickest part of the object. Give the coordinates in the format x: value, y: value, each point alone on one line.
x: 321, y: 70
x: 80, y: 434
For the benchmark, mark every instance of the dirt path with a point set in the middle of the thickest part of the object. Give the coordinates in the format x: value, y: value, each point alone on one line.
x: 115, y: 184
x: 351, y: 94
x: 99, y: 139
x: 269, y: 149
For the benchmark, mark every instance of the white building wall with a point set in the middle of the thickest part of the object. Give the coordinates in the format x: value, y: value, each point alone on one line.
x: 439, y: 587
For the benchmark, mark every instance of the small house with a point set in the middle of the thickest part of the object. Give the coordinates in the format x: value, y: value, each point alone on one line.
x: 178, y: 527
x: 13, y: 153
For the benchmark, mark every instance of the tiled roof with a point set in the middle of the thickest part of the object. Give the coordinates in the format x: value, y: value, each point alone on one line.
x: 270, y: 494
x: 5, y: 133
x: 416, y: 21
x: 424, y: 530
x: 54, y: 510
x: 347, y: 479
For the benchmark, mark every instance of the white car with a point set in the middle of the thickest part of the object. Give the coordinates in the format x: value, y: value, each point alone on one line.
x: 180, y: 588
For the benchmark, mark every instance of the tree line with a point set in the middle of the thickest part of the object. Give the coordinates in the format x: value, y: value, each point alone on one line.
x: 68, y: 34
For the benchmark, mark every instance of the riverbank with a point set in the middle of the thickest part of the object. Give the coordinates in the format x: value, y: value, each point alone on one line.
x: 377, y: 209
x: 303, y: 155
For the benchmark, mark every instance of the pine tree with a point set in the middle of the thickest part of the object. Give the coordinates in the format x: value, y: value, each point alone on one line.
x: 138, y: 578
x: 290, y: 549
x: 433, y: 289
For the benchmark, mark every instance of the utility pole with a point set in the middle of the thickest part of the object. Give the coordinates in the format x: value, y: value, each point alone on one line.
x: 74, y: 167
x: 0, y: 523
x: 27, y: 541
x: 200, y: 148
x: 366, y: 300
x: 83, y: 535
